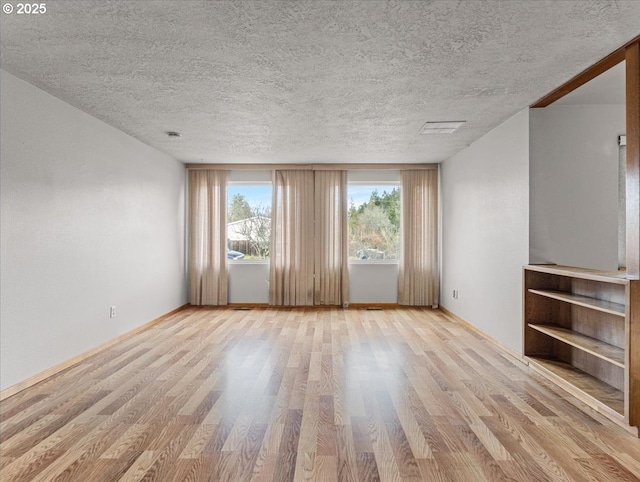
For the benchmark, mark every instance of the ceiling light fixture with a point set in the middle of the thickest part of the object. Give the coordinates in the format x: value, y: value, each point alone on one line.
x: 440, y: 127
x: 173, y: 134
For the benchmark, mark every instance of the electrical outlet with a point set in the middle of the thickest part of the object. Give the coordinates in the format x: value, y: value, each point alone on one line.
x: 112, y: 312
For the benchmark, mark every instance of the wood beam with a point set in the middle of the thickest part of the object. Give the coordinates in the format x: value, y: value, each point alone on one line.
x: 585, y: 76
x: 632, y: 57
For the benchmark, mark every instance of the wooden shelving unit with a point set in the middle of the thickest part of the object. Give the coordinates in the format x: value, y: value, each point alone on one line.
x: 582, y: 332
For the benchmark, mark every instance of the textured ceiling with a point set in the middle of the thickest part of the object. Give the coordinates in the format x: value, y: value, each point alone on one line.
x: 309, y: 81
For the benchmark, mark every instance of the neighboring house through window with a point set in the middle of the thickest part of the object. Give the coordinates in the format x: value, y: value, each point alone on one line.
x: 249, y: 216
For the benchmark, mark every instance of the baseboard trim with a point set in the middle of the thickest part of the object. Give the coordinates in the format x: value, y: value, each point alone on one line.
x: 358, y: 306
x: 501, y: 346
x: 18, y: 387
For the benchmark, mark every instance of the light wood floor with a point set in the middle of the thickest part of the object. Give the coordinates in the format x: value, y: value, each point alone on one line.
x: 306, y: 394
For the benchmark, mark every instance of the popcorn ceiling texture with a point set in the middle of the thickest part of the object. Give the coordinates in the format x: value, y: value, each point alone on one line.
x: 309, y: 81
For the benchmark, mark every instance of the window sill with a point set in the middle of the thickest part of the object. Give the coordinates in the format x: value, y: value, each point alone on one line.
x: 238, y: 262
x: 373, y: 261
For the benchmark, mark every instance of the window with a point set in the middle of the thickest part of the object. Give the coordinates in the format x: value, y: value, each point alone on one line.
x: 248, y: 220
x: 374, y: 221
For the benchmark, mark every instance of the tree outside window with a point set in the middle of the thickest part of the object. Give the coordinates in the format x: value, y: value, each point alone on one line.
x: 374, y: 222
x: 249, y: 220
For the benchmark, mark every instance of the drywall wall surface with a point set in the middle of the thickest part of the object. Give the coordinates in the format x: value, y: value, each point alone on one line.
x: 90, y: 218
x: 574, y: 185
x: 485, y: 236
x: 248, y: 282
x: 373, y: 282
x: 368, y: 282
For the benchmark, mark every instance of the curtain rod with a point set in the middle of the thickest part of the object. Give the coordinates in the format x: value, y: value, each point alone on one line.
x: 312, y: 167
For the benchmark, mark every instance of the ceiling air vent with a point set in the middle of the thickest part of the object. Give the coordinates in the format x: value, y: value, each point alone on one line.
x: 441, y: 127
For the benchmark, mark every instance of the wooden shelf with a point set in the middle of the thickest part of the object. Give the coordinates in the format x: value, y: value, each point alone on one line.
x: 569, y: 377
x: 595, y: 347
x: 615, y: 277
x: 595, y: 304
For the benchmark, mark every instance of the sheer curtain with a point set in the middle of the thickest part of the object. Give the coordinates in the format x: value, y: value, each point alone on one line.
x: 208, y: 237
x: 331, y: 268
x: 291, y: 274
x: 418, y: 277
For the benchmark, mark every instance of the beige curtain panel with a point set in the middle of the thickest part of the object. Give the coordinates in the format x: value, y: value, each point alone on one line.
x: 291, y: 274
x: 208, y: 237
x: 331, y: 256
x: 418, y: 283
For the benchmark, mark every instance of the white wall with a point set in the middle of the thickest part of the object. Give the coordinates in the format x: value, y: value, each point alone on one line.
x: 574, y: 185
x: 373, y: 283
x: 485, y: 230
x: 368, y: 282
x: 90, y: 218
x: 248, y: 282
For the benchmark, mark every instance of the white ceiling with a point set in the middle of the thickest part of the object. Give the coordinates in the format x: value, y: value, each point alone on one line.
x: 309, y: 81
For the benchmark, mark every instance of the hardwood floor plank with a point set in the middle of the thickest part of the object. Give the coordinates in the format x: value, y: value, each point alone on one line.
x: 405, y: 459
x: 605, y: 467
x: 367, y: 466
x: 135, y: 439
x: 89, y: 447
x: 411, y: 428
x: 285, y: 466
x: 107, y: 469
x: 30, y: 467
x: 431, y: 471
x: 139, y: 468
x: 308, y: 442
x: 520, y: 467
x: 305, y: 467
x: 346, y: 458
x: 632, y: 464
x: 65, y: 417
x: 327, y: 433
x: 23, y: 405
x: 249, y: 451
x: 482, y: 457
x: 306, y: 394
x: 193, y: 470
x: 291, y: 432
x: 425, y: 421
x: 387, y: 467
